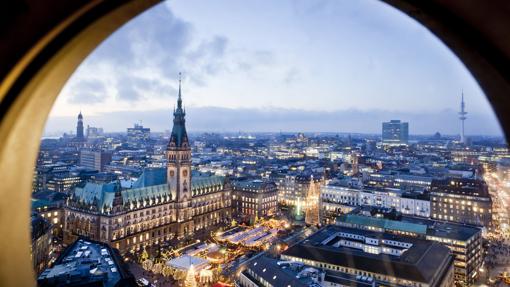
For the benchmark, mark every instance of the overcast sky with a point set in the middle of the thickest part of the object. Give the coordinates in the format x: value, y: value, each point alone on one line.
x: 291, y: 65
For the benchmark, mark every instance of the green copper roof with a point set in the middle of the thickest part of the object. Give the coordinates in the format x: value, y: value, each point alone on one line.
x: 100, y: 195
x: 383, y: 223
x: 150, y: 177
x: 147, y: 193
x: 157, y: 176
x: 37, y: 203
x: 151, y: 187
x: 198, y: 182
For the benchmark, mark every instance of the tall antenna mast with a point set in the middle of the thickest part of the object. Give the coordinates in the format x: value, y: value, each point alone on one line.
x: 462, y: 118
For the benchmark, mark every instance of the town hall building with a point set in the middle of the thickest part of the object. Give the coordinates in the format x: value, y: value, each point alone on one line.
x: 164, y: 204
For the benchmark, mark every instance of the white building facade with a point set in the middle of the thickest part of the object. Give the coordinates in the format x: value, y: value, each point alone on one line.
x: 337, y: 200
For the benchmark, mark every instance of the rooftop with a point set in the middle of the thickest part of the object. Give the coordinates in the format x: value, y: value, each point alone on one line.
x: 422, y: 262
x: 255, y: 184
x: 86, y: 263
x: 278, y: 274
x: 296, y: 274
x: 185, y: 261
x: 150, y: 185
x: 418, y: 225
x: 444, y: 229
x: 383, y: 223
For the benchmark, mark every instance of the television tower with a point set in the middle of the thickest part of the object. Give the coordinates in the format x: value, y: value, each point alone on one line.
x: 462, y: 118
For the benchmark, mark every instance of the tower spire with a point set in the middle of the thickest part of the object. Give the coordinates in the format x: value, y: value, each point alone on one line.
x: 179, y: 99
x: 179, y: 136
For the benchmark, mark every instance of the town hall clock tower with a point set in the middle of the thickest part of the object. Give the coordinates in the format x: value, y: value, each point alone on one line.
x: 178, y: 154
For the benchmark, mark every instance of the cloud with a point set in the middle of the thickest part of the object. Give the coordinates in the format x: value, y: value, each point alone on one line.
x: 292, y: 76
x: 154, y: 38
x: 133, y: 88
x: 215, y: 47
x: 87, y: 91
x: 143, y: 58
x: 128, y: 92
x: 207, y: 59
x: 264, y: 57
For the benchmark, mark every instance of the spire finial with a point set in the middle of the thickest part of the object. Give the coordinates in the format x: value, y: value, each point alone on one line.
x: 179, y: 100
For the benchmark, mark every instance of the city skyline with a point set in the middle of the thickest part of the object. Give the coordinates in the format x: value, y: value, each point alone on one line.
x: 245, y: 75
x: 317, y: 122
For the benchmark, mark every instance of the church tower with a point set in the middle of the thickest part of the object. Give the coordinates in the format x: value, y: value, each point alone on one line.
x: 79, y: 128
x: 179, y: 170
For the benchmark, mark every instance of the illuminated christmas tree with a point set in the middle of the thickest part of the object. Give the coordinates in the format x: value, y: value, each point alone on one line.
x: 312, y: 204
x: 190, y: 280
x: 144, y: 256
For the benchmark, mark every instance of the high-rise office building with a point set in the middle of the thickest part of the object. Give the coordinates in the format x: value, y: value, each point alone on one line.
x: 95, y: 159
x: 94, y: 132
x: 395, y: 132
x: 138, y: 136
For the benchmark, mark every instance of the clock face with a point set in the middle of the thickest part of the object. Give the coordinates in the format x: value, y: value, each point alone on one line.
x: 185, y: 172
x: 172, y: 173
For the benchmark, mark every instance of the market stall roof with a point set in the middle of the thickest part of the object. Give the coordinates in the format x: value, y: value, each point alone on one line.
x: 184, y: 262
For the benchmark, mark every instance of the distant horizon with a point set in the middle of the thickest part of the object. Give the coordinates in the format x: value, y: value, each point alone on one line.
x: 209, y: 119
x: 284, y: 132
x: 192, y: 132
